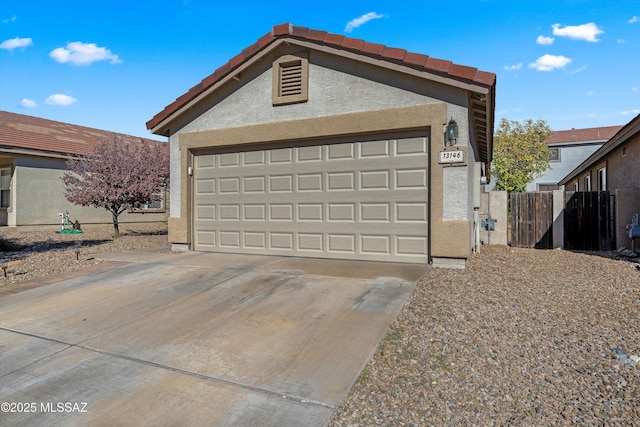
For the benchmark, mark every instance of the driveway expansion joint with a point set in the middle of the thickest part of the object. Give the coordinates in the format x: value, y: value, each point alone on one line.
x: 69, y: 345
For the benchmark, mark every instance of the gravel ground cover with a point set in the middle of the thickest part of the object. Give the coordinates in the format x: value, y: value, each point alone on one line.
x: 520, y: 337
x: 47, y: 253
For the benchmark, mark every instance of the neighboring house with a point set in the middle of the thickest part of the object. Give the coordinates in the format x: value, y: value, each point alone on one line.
x: 33, y: 155
x: 614, y: 167
x: 319, y: 145
x: 569, y: 148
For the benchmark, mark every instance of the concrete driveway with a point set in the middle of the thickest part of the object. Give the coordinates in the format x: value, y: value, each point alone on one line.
x: 195, y: 339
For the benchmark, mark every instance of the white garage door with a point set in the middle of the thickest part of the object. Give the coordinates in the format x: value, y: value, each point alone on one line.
x: 357, y: 199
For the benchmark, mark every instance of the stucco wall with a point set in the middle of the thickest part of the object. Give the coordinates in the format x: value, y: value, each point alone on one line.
x: 336, y: 86
x: 570, y: 158
x: 38, y: 196
x: 622, y: 165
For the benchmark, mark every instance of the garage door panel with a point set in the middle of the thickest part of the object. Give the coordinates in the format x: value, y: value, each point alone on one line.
x: 255, y: 240
x: 281, y: 212
x: 281, y: 156
x: 254, y: 184
x: 410, y: 146
x: 281, y: 241
x: 353, y: 200
x: 374, y: 149
x: 340, y: 152
x: 281, y: 183
x: 228, y: 160
x: 375, y: 244
x: 375, y: 212
x: 309, y: 154
x: 311, y: 242
x: 310, y: 182
x: 229, y: 239
x: 342, y: 243
x: 253, y: 158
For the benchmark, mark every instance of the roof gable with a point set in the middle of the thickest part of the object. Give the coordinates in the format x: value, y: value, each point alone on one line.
x: 18, y: 131
x: 436, y: 67
x: 626, y: 132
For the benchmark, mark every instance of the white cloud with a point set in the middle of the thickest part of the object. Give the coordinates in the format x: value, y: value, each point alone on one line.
x: 634, y: 19
x: 634, y: 111
x: 355, y: 23
x: 550, y: 62
x: 634, y: 89
x: 513, y: 67
x: 544, y: 40
x: 588, y: 32
x: 28, y: 103
x: 60, y: 99
x: 579, y: 70
x: 79, y: 53
x: 14, y: 18
x: 16, y: 43
x: 620, y: 41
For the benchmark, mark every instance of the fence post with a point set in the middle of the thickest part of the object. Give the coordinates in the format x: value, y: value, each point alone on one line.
x: 558, y: 219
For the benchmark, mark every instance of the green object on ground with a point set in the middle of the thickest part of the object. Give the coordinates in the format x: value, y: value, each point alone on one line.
x: 69, y: 231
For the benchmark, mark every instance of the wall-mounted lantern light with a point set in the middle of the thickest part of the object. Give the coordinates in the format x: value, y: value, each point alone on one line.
x: 451, y: 133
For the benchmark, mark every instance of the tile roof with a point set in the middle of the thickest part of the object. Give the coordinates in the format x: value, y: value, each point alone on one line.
x: 18, y: 131
x: 583, y: 135
x: 400, y: 56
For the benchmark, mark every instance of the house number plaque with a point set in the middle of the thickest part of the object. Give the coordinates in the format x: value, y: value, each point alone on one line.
x: 456, y: 156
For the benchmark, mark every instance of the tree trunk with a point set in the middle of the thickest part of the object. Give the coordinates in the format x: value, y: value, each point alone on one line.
x: 116, y: 229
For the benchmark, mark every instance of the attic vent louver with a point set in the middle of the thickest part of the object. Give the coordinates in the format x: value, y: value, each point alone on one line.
x: 290, y: 79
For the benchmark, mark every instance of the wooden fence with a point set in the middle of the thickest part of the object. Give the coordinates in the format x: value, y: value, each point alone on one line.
x: 589, y: 221
x: 531, y: 220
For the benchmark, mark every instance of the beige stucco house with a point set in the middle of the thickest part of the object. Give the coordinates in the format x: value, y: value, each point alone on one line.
x: 33, y: 155
x: 614, y: 168
x: 318, y: 145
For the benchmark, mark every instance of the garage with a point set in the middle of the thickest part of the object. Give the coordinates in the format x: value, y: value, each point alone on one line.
x: 355, y: 198
x: 312, y: 144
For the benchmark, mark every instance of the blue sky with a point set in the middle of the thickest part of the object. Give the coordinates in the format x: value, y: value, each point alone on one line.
x: 114, y: 64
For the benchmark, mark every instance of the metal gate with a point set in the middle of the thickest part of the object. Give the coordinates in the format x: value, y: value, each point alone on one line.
x: 589, y: 221
x: 531, y: 219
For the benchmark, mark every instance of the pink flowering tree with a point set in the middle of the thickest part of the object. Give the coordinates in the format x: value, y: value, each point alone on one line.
x: 118, y: 176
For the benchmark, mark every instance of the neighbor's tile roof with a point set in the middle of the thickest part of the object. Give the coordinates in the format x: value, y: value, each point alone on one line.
x: 583, y: 135
x: 401, y: 56
x: 18, y: 131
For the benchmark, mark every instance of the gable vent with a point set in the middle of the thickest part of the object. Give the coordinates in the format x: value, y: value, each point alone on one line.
x: 290, y: 79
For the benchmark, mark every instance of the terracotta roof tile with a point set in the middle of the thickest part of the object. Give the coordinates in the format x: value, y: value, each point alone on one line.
x: 265, y: 40
x: 416, y: 59
x: 350, y: 43
x: 583, y: 135
x: 437, y: 65
x: 467, y: 73
x: 334, y: 39
x: 18, y: 131
x: 249, y: 51
x: 316, y: 35
x: 485, y: 78
x: 360, y: 46
x: 282, y: 29
x: 236, y: 60
x: 299, y: 31
x: 394, y: 53
x: 373, y: 48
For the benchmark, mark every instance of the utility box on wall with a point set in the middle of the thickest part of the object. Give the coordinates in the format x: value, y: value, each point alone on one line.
x: 494, y: 218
